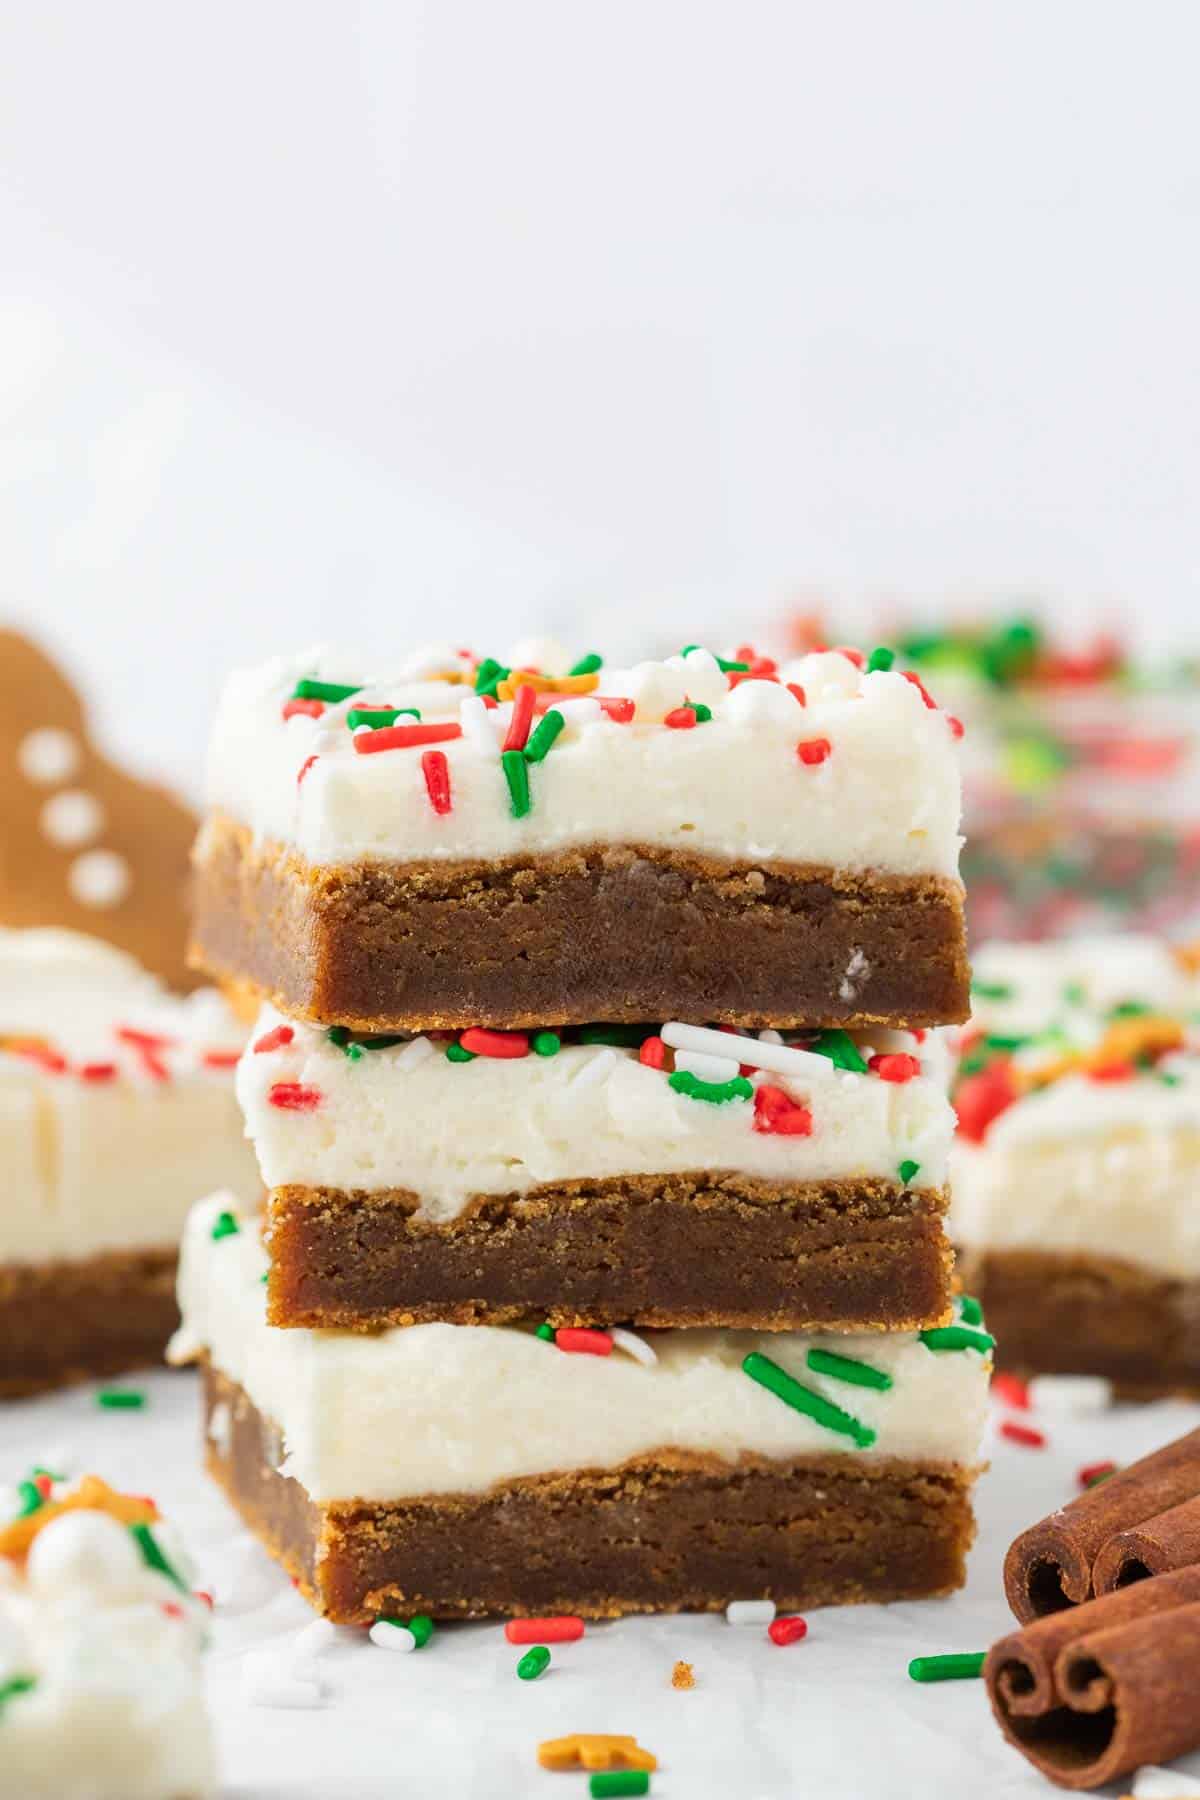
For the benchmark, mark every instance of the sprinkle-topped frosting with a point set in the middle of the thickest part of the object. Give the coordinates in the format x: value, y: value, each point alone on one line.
x: 101, y: 1689
x: 491, y: 1112
x: 1078, y: 1097
x: 116, y: 1099
x: 825, y: 761
x: 454, y: 1408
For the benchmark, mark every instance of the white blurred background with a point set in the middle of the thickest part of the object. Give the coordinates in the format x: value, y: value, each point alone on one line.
x: 461, y: 318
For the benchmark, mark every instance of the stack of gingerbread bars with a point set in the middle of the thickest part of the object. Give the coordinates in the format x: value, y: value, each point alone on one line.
x: 603, y: 1126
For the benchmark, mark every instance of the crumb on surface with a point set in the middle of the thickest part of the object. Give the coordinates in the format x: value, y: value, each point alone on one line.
x: 683, y: 1676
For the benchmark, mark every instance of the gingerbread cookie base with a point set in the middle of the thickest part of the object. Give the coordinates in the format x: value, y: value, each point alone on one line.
x: 1054, y: 1314
x: 709, y: 1248
x: 667, y: 1533
x: 64, y: 1322
x: 617, y: 933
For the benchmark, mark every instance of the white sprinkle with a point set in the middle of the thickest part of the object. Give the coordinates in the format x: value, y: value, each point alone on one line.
x: 770, y: 1036
x: 267, y: 1681
x: 477, y: 726
x: 1163, y: 1784
x: 414, y: 1053
x: 48, y: 755
x: 705, y: 1067
x: 71, y: 818
x: 392, y: 1637
x: 314, y: 1639
x: 1078, y: 1396
x: 99, y: 878
x: 598, y: 1069
x: 634, y: 1346
x: 220, y: 1427
x: 750, y: 1612
x: 580, y: 712
x: 782, y: 1059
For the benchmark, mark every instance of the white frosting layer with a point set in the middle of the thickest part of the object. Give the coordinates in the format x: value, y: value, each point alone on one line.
x: 1108, y: 1168
x: 457, y: 1408
x: 407, y: 1117
x: 116, y: 1711
x: 887, y: 796
x: 108, y: 1151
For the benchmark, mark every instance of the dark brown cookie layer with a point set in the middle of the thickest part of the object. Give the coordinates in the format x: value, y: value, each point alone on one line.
x: 618, y: 933
x: 687, y: 1249
x: 75, y: 1321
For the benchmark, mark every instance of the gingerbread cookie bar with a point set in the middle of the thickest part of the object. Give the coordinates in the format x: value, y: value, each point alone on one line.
x: 85, y: 845
x: 681, y: 1469
x: 452, y: 843
x: 664, y: 1176
x: 1075, y: 1171
x: 101, y: 1683
x: 117, y: 1110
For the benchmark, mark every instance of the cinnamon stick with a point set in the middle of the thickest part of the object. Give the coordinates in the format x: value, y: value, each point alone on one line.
x: 1170, y: 1541
x: 1050, y: 1566
x: 1092, y: 1692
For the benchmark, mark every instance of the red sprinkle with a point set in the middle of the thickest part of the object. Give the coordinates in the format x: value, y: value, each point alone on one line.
x: 854, y: 656
x: 490, y: 701
x: 927, y: 697
x: 1022, y: 1434
x: 776, y: 1113
x: 274, y: 1040
x: 495, y: 1043
x: 41, y: 1054
x: 293, y: 1096
x: 1091, y: 1473
x: 305, y: 766
x: 1010, y: 1390
x: 98, y: 1071
x: 956, y: 725
x: 147, y: 1044
x: 736, y: 677
x: 653, y: 1053
x: 793, y: 687
x: 581, y: 1340
x: 563, y: 1630
x: 436, y: 771
x: 43, y: 1484
x: 982, y: 1098
x: 221, y: 1059
x: 203, y: 1595
x: 788, y: 1630
x: 1113, y: 1071
x: 681, y: 718
x: 311, y: 709
x: 813, y: 751
x: 404, y: 737
x: 522, y: 712
x: 172, y: 1609
x: 894, y: 1065
x: 619, y: 710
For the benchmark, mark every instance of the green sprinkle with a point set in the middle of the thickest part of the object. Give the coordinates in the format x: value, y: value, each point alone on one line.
x: 545, y: 1331
x: 1074, y: 994
x: 1004, y: 1042
x: 516, y: 773
x: 974, y: 1061
x: 625, y: 1037
x: 339, y: 1035
x: 225, y: 1226
x: 353, y: 1052
x: 324, y: 690
x: 121, y: 1399
x: 542, y: 739
x: 848, y: 1368
x: 793, y: 1393
x: 947, y: 1668
x: 992, y: 990
x: 384, y: 1040
x: 909, y: 1169
x: 31, y: 1500
x: 489, y: 675
x: 969, y: 1310
x: 546, y: 1043
x: 587, y: 665
x: 880, y: 658
x: 610, y: 1784
x: 458, y: 1053
x: 956, y: 1337
x: 377, y: 717
x: 703, y: 713
x: 715, y: 1092
x: 1130, y: 1009
x: 153, y: 1557
x: 51, y: 1474
x: 265, y: 1276
x: 421, y: 1626
x: 841, y: 1050
x: 535, y: 1662
x: 16, y: 1684
x: 1169, y: 1079
x: 730, y: 668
